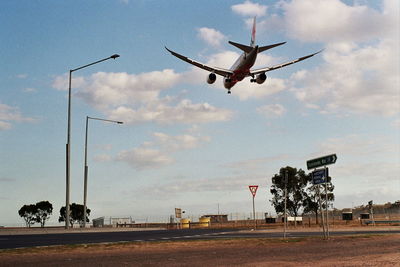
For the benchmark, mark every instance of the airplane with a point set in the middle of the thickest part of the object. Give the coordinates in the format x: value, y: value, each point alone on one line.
x: 241, y: 68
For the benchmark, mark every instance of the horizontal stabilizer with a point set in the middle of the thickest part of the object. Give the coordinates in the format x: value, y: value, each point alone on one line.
x: 243, y: 47
x: 263, y: 48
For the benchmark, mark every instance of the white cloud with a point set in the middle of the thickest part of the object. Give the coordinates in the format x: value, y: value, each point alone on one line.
x: 396, y: 123
x: 249, y: 8
x: 160, y: 112
x: 61, y: 82
x: 10, y: 114
x: 30, y: 90
x: 360, y: 73
x: 214, y: 184
x: 22, y: 76
x: 211, y: 36
x: 136, y: 98
x: 5, y: 125
x: 103, y: 90
x: 273, y: 110
x: 246, y: 90
x: 361, y: 79
x: 327, y: 21
x: 102, y: 158
x: 158, y: 153
x: 145, y: 158
x: 179, y: 142
x: 356, y: 146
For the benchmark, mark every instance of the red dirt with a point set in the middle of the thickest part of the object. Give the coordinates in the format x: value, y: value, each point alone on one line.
x: 338, y: 251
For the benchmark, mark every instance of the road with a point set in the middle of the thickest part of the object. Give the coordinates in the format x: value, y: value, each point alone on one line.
x: 37, y: 240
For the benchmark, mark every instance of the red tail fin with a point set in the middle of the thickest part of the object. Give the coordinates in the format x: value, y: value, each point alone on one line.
x: 253, y: 33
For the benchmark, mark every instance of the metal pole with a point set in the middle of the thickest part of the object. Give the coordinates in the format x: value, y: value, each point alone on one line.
x: 68, y: 153
x: 372, y: 216
x: 68, y: 146
x: 85, y: 174
x: 326, y: 203
x: 320, y: 210
x: 86, y: 171
x: 285, y: 218
x: 254, y: 215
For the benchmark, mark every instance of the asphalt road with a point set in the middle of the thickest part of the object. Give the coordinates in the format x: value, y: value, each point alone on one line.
x: 37, y: 240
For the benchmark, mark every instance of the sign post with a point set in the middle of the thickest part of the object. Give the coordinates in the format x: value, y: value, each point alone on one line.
x: 370, y: 205
x: 326, y: 202
x: 319, y: 177
x: 253, y: 190
x: 178, y: 215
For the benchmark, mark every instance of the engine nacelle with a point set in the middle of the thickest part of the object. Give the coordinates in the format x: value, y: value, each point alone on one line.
x: 261, y: 78
x: 211, y: 78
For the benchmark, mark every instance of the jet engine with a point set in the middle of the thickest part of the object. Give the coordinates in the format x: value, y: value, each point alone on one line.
x: 260, y: 78
x: 211, y: 78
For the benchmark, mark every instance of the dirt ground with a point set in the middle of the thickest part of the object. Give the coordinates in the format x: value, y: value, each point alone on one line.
x: 367, y: 250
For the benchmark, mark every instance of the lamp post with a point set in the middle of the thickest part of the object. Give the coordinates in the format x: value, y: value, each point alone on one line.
x: 68, y: 146
x: 86, y: 165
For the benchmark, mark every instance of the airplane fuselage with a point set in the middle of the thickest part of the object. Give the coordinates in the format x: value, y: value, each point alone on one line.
x: 241, y: 68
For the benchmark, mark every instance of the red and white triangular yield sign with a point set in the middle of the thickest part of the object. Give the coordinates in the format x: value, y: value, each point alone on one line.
x: 253, y: 189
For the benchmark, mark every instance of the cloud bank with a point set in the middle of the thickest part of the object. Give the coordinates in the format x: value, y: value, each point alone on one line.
x: 360, y: 70
x: 9, y: 115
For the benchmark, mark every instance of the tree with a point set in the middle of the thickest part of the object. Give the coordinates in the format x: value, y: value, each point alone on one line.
x: 311, y: 203
x: 28, y: 212
x: 43, y: 211
x: 296, y: 194
x: 76, y: 214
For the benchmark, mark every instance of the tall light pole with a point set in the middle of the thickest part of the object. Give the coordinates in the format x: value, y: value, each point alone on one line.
x: 86, y: 165
x: 68, y: 146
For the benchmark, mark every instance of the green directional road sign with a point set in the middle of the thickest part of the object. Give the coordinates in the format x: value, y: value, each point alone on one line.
x: 322, y: 161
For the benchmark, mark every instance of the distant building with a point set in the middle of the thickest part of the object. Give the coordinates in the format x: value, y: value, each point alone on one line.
x: 220, y: 218
x: 98, y: 222
x: 115, y: 222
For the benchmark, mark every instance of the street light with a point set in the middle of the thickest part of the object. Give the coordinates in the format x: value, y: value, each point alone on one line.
x: 68, y: 146
x: 86, y: 166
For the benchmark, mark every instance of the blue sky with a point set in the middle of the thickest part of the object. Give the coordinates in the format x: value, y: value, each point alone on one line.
x: 185, y: 143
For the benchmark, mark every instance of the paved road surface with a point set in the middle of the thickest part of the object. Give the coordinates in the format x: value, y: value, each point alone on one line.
x: 34, y: 240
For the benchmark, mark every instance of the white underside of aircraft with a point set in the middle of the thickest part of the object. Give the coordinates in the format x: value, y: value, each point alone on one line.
x: 242, y: 66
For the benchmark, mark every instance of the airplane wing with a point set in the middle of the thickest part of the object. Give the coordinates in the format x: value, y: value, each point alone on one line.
x: 220, y: 71
x: 258, y: 71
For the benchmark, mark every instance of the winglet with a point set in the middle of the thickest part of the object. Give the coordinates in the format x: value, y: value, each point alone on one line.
x: 302, y: 58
